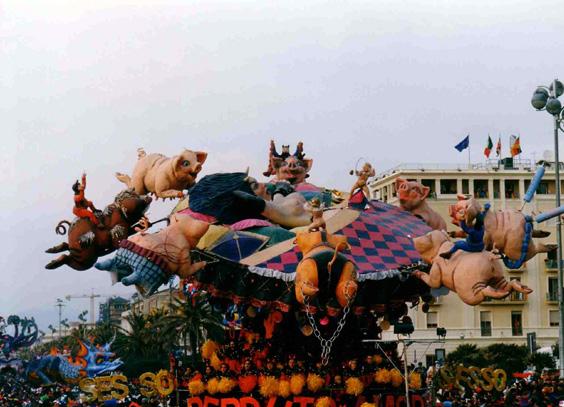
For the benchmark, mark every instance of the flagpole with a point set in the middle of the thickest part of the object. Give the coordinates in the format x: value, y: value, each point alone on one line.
x: 469, y: 152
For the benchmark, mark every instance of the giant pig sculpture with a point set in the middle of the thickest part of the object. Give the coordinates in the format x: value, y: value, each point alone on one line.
x: 507, y: 231
x: 149, y: 260
x: 413, y: 198
x: 166, y: 177
x: 473, y: 276
x: 324, y: 272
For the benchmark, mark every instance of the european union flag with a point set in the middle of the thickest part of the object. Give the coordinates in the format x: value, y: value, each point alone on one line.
x: 464, y: 144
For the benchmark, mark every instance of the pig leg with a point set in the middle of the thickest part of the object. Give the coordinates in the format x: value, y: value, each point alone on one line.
x: 433, y: 279
x: 58, y: 262
x: 170, y: 193
x: 517, y: 286
x: 494, y: 292
x: 540, y: 233
x: 545, y: 248
x: 59, y: 248
x: 126, y: 179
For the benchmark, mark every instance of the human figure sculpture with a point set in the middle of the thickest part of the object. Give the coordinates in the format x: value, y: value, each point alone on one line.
x: 83, y: 208
x: 473, y: 228
x: 315, y: 207
x: 363, y: 175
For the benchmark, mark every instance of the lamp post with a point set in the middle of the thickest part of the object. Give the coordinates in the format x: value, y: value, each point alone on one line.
x: 546, y: 98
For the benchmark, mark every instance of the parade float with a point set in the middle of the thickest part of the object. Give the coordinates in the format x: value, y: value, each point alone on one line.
x: 15, y: 334
x: 305, y: 273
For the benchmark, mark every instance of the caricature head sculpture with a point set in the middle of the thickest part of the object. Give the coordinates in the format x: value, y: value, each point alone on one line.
x: 293, y: 168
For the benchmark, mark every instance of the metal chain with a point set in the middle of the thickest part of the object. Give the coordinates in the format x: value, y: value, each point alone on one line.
x: 327, y: 344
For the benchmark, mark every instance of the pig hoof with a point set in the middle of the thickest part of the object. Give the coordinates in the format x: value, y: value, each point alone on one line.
x: 446, y: 255
x: 540, y: 233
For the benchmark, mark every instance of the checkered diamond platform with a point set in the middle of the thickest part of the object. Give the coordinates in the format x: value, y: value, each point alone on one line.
x: 380, y: 239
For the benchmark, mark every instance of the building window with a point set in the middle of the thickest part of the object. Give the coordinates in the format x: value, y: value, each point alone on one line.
x: 485, y: 323
x: 552, y: 294
x: 516, y: 323
x: 430, y: 360
x: 511, y: 189
x: 551, y: 261
x: 432, y: 320
x: 496, y: 193
x: 448, y: 186
x: 431, y: 184
x: 546, y: 188
x: 553, y: 318
x: 481, y: 188
x: 465, y: 187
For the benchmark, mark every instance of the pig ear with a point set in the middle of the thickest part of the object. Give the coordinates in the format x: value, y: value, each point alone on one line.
x: 201, y: 156
x: 425, y: 192
x: 176, y: 161
x: 399, y: 182
x: 308, y: 163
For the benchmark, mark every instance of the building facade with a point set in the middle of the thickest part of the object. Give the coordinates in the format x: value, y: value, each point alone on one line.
x: 503, y: 184
x: 111, y: 310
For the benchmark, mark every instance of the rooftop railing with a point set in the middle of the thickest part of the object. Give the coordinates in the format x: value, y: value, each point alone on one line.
x: 488, y: 165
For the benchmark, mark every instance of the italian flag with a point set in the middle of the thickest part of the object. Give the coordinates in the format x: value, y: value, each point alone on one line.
x: 488, y: 149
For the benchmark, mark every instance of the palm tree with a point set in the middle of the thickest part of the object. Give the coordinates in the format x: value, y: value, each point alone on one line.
x: 146, y: 344
x: 195, y: 320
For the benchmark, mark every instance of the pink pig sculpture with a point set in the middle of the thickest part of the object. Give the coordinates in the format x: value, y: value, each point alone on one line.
x: 148, y: 260
x: 506, y: 231
x: 412, y: 198
x: 473, y: 276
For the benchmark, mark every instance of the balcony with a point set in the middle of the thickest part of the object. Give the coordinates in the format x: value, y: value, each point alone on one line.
x: 437, y: 301
x: 551, y: 265
x: 552, y: 297
x: 516, y: 271
x: 515, y: 298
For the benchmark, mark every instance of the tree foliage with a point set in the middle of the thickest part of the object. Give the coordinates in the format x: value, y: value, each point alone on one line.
x: 511, y: 358
x: 195, y: 320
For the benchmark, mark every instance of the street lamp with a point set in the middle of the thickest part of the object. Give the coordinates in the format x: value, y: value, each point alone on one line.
x: 546, y: 98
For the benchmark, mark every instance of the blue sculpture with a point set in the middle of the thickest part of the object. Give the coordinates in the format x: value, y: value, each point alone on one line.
x: 90, y: 361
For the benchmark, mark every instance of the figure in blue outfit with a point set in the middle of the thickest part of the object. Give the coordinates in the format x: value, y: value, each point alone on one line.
x: 474, y: 236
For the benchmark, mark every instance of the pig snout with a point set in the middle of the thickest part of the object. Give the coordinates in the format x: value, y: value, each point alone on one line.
x: 197, y: 168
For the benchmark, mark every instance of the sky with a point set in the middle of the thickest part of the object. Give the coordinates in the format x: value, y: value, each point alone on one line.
x: 83, y: 84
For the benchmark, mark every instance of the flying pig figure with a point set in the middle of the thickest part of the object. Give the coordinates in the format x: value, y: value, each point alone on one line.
x: 166, y: 177
x: 412, y: 198
x: 148, y: 260
x: 474, y: 276
x: 509, y: 231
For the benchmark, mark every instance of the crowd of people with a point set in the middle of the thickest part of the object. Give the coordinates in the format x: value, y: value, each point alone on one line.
x: 253, y: 368
x: 545, y: 390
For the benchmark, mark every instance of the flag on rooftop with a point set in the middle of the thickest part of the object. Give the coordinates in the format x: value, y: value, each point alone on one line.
x: 498, y: 147
x: 489, y: 146
x: 515, y: 145
x: 464, y: 144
